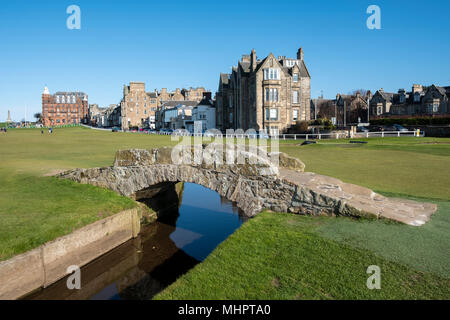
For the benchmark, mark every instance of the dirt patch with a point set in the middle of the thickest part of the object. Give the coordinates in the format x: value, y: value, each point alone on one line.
x: 276, y: 282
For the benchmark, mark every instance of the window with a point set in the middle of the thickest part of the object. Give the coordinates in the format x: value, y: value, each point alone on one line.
x: 435, y: 107
x: 271, y: 94
x: 294, y: 96
x: 416, y: 97
x: 295, y: 77
x: 271, y: 74
x: 73, y: 99
x: 272, y: 114
x: 295, y: 115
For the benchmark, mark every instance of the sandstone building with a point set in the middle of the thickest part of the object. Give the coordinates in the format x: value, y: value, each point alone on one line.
x: 270, y: 94
x: 138, y: 108
x: 63, y: 108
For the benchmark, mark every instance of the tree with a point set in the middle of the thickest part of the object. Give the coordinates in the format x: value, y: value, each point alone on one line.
x: 38, y: 116
x: 300, y: 127
x: 362, y: 92
x: 326, y: 109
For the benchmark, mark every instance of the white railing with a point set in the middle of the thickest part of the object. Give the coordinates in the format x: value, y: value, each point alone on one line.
x: 304, y: 136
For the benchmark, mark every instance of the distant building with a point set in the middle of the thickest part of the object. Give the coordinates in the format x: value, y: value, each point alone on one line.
x: 352, y: 108
x: 175, y: 115
x: 268, y: 94
x: 64, y: 108
x: 139, y: 108
x: 205, y: 113
x: 432, y: 100
x: 9, y: 117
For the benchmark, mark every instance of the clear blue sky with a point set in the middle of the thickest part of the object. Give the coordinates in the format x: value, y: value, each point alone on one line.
x: 188, y: 43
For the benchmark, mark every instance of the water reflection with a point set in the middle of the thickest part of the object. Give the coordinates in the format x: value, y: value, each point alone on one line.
x: 184, y: 235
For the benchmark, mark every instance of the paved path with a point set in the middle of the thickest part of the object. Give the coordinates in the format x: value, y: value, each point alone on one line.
x: 401, y: 210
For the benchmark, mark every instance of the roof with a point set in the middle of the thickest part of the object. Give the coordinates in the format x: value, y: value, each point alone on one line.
x: 206, y: 102
x: 388, y: 96
x: 171, y: 104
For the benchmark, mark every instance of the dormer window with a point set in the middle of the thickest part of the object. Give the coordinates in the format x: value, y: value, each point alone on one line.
x: 295, y: 77
x: 271, y: 74
x: 416, y: 97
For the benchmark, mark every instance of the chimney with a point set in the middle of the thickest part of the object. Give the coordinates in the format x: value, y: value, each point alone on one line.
x: 253, y: 60
x: 381, y: 90
x: 207, y: 95
x: 300, y: 54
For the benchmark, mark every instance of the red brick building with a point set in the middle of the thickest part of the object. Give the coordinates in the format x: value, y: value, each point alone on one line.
x: 64, y: 108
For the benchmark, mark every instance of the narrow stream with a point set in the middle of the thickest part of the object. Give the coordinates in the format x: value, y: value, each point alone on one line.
x: 165, y: 250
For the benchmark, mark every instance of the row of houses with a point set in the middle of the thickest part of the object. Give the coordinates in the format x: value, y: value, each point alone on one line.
x: 362, y: 105
x: 268, y: 94
x: 139, y: 108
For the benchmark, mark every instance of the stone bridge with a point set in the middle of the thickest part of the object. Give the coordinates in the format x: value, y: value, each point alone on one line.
x: 254, y: 185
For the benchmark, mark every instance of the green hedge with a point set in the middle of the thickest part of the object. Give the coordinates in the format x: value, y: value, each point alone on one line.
x: 412, y: 121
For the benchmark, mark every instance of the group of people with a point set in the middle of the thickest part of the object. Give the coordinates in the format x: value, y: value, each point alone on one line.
x: 50, y: 130
x: 5, y: 130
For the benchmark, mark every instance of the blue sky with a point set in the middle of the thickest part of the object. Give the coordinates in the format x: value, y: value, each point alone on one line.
x: 188, y: 43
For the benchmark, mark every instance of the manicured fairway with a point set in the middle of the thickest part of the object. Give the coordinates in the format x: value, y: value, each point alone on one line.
x: 35, y: 209
x: 273, y: 256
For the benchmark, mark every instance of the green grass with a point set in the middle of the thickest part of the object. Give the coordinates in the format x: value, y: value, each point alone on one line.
x: 404, y: 166
x: 274, y: 256
x: 35, y: 209
x: 282, y: 256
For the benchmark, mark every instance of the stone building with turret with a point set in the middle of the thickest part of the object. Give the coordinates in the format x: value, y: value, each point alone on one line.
x: 269, y: 94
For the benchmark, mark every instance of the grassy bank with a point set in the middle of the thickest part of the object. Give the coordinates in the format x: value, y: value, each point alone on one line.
x: 282, y: 256
x: 35, y: 208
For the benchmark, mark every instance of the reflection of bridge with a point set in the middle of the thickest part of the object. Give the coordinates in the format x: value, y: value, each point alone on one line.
x: 254, y: 186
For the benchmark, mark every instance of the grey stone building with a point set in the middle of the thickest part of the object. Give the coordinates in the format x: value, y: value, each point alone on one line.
x: 421, y: 100
x: 268, y: 94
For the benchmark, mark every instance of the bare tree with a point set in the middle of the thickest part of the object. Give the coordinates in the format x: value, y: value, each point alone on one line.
x: 325, y: 109
x: 362, y: 92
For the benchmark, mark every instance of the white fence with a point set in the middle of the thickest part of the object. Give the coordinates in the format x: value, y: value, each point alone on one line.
x: 309, y: 136
x: 306, y: 136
